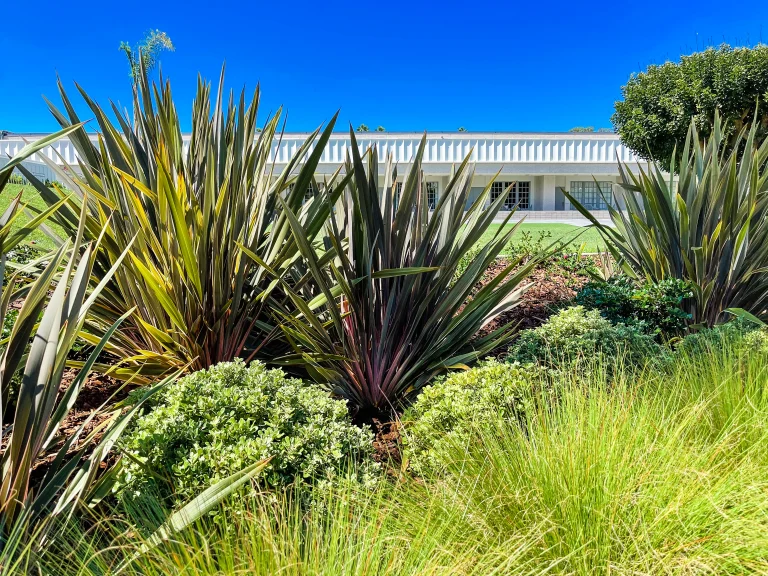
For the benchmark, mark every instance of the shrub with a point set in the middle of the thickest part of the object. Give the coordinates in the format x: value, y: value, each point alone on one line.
x: 737, y: 332
x: 659, y: 104
x: 445, y: 411
x: 212, y: 423
x: 527, y: 246
x: 657, y: 307
x: 576, y: 334
x: 465, y: 261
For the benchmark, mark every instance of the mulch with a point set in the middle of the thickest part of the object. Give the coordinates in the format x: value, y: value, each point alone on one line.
x: 552, y: 288
x: 386, y: 442
x: 98, y: 391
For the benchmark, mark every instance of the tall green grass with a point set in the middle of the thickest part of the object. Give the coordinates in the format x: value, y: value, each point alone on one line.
x: 626, y: 473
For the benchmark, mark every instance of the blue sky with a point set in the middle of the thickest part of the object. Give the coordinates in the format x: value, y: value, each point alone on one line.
x: 487, y: 66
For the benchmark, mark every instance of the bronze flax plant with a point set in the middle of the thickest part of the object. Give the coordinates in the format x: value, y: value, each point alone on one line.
x: 393, y: 316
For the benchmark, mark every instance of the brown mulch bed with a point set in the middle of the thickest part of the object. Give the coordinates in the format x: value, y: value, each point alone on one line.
x: 97, y: 390
x: 386, y: 443
x: 553, y: 286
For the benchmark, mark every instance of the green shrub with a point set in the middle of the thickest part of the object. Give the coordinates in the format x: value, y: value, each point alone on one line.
x: 577, y: 334
x: 527, y: 246
x: 445, y: 410
x: 465, y: 261
x: 737, y: 333
x: 656, y: 307
x: 215, y: 422
x: 560, y: 256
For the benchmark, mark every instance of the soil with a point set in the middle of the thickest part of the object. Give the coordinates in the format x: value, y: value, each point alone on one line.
x: 386, y: 444
x: 97, y: 391
x: 553, y: 287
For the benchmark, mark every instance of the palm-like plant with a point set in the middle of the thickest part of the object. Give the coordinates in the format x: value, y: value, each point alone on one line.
x: 712, y: 229
x: 394, y: 317
x: 209, y: 234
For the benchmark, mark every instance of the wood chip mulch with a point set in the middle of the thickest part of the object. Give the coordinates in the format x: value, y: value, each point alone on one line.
x: 97, y: 390
x: 386, y: 443
x: 553, y: 286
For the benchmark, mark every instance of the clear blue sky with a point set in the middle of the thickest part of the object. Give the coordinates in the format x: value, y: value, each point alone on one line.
x: 406, y: 65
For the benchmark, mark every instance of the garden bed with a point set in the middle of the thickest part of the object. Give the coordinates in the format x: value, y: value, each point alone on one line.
x: 98, y: 394
x: 553, y: 285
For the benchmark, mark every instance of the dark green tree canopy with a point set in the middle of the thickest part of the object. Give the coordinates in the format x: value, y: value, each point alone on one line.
x: 660, y: 103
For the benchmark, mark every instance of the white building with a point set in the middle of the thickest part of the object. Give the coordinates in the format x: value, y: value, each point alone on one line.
x: 540, y: 165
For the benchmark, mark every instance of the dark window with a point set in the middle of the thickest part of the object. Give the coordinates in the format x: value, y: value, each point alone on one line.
x: 431, y: 195
x: 519, y: 194
x: 593, y: 195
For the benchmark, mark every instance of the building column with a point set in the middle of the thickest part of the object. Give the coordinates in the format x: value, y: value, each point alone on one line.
x: 548, y: 194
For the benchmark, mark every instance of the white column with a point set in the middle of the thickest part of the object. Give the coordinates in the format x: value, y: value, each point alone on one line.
x: 548, y: 193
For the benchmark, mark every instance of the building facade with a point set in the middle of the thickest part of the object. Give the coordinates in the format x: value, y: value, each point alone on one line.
x: 537, y: 167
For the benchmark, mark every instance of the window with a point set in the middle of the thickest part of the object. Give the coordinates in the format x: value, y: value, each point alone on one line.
x: 310, y: 193
x: 519, y: 194
x: 431, y: 195
x: 593, y: 195
x: 523, y: 198
x: 398, y: 191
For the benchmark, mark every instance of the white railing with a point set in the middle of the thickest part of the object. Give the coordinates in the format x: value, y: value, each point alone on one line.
x: 441, y: 148
x: 485, y: 148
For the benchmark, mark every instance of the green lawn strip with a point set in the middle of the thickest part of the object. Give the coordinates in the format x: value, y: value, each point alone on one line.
x: 31, y: 198
x: 577, y: 235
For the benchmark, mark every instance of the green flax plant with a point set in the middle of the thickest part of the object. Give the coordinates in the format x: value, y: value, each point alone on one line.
x: 394, y: 317
x: 55, y: 305
x: 709, y: 228
x: 210, y: 238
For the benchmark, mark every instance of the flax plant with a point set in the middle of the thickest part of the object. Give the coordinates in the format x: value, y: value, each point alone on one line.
x: 55, y: 305
x: 210, y: 238
x: 710, y: 227
x: 393, y: 316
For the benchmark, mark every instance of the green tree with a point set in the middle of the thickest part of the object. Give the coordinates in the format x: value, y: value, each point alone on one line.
x: 582, y: 129
x: 462, y: 129
x: 147, y: 52
x: 381, y: 129
x: 362, y: 128
x: 660, y: 103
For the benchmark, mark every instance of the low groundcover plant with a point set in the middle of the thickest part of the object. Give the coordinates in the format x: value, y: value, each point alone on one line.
x: 212, y: 423
x: 579, y: 335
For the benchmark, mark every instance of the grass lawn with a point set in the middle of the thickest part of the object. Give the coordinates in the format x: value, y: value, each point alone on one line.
x: 30, y: 197
x: 575, y: 235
